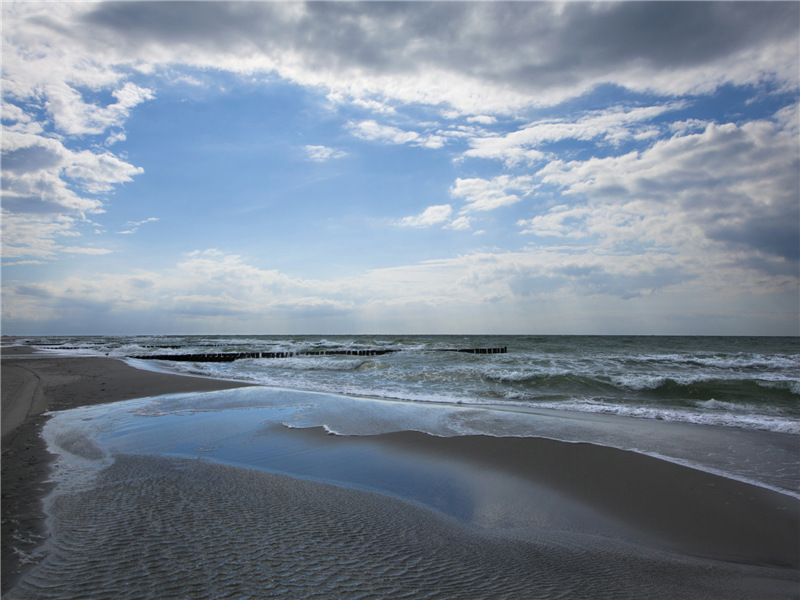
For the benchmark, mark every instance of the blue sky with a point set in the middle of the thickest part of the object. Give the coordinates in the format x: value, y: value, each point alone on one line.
x: 252, y: 167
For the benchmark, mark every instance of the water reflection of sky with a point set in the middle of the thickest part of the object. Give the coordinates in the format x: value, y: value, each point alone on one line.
x: 261, y: 428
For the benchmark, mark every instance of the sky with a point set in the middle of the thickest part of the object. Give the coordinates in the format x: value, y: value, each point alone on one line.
x: 334, y: 167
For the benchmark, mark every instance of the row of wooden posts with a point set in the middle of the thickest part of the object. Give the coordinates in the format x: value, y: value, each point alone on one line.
x: 231, y: 356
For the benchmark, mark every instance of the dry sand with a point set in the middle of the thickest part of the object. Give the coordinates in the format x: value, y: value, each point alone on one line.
x: 33, y: 383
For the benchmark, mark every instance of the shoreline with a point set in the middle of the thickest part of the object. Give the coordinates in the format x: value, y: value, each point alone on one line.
x: 675, y: 508
x: 34, y: 383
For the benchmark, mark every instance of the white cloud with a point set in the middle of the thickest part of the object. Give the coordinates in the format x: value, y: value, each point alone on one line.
x: 99, y: 173
x: 49, y: 189
x: 85, y: 250
x: 460, y: 224
x: 559, y: 221
x: 323, y: 153
x: 528, y: 288
x: 74, y: 116
x: 609, y: 126
x: 490, y: 194
x: 369, y: 104
x: 433, y: 215
x: 387, y: 134
x: 482, y: 119
x: 116, y: 137
x: 371, y: 130
x: 133, y: 226
x: 34, y: 235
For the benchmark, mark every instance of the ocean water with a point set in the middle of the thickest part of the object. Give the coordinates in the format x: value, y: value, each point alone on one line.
x: 239, y: 493
x: 741, y: 382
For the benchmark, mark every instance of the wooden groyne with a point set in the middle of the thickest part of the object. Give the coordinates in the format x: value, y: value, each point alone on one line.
x: 231, y: 356
x: 502, y: 350
x: 222, y: 357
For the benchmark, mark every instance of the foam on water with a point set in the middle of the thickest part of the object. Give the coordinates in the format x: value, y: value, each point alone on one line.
x: 556, y: 389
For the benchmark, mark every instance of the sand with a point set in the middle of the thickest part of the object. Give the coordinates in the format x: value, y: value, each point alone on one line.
x: 699, y: 535
x: 33, y: 383
x: 656, y: 502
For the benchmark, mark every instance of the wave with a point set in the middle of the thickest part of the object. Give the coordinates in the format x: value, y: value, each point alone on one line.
x: 697, y: 386
x: 713, y: 413
x: 769, y: 392
x: 723, y: 361
x: 644, y: 377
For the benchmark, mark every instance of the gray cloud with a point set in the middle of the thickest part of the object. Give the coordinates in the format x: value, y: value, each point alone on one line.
x: 31, y: 290
x: 672, y: 34
x: 732, y: 184
x: 776, y: 234
x: 588, y: 280
x: 529, y: 46
x: 627, y: 286
x: 32, y: 205
x: 32, y: 158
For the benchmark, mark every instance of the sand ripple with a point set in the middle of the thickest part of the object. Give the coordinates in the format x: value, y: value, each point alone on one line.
x: 170, y: 528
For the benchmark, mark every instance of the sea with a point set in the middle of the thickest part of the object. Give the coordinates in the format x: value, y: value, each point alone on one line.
x: 725, y: 405
x: 743, y: 382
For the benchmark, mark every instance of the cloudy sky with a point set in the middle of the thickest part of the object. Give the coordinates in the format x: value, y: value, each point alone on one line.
x: 252, y: 167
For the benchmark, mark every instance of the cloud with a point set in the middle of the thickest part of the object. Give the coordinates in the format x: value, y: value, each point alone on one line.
x: 479, y: 58
x: 460, y: 224
x: 387, y: 134
x: 39, y: 237
x: 433, y: 215
x: 610, y: 126
x: 560, y: 221
x: 85, y: 250
x: 482, y: 119
x: 47, y: 176
x: 532, y: 288
x: 649, y: 209
x: 35, y: 236
x: 323, y: 153
x: 74, y: 116
x: 133, y: 226
x: 28, y: 159
x: 728, y: 183
x: 490, y: 194
x: 596, y: 279
x: 48, y: 189
x: 475, y: 59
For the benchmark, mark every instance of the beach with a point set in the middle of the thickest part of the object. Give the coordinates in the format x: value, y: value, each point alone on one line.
x: 412, y: 515
x: 34, y: 383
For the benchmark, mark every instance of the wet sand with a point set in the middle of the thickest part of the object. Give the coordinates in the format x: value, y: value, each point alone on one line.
x: 603, y: 521
x: 33, y: 383
x: 651, y: 501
